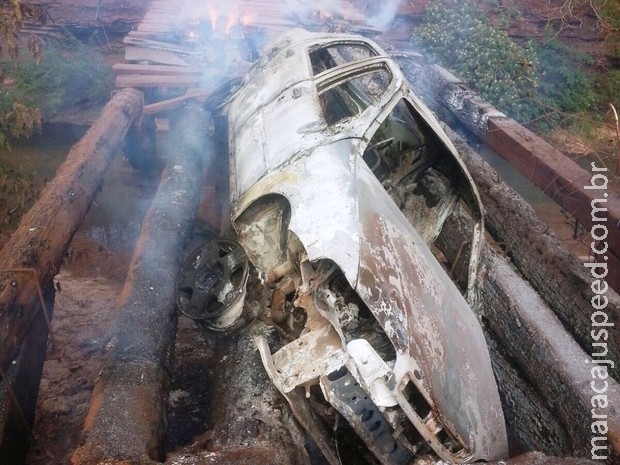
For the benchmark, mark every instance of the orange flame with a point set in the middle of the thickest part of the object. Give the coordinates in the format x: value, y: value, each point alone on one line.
x: 247, y: 19
x: 213, y: 17
x: 232, y: 20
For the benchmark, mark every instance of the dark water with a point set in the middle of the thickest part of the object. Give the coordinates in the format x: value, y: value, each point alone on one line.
x: 114, y: 218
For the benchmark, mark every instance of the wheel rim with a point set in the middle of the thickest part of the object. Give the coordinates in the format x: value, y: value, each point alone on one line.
x: 212, y: 280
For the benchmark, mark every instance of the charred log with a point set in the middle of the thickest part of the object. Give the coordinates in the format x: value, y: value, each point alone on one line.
x: 252, y: 421
x: 557, y: 175
x: 556, y: 274
x: 33, y: 255
x: 24, y: 375
x: 140, y: 144
x: 127, y: 415
x: 532, y: 354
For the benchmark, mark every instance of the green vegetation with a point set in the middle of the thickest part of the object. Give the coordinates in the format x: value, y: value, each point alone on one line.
x: 17, y: 120
x: 565, y: 88
x: 608, y: 14
x: 67, y: 75
x: 531, y: 82
x: 16, y: 195
x: 456, y: 35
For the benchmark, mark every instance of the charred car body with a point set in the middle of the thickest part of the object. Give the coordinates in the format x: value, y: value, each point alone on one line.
x: 328, y: 146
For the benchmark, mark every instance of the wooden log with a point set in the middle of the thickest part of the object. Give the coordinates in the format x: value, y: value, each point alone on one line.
x: 558, y: 276
x: 127, y: 415
x: 531, y: 420
x: 45, y: 232
x: 24, y: 374
x: 40, y: 243
x: 537, y: 351
x: 550, y: 358
x: 542, y: 374
x: 252, y: 422
x: 525, y: 408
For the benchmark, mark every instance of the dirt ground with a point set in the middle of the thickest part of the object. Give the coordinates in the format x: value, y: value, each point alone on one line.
x: 87, y: 288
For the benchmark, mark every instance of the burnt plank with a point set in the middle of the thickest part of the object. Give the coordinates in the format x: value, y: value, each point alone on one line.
x: 131, y: 68
x: 138, y: 80
x: 156, y: 56
x: 557, y: 175
x: 558, y: 276
x: 169, y: 104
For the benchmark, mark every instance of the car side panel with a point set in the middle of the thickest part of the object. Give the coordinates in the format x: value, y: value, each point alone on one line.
x: 428, y: 321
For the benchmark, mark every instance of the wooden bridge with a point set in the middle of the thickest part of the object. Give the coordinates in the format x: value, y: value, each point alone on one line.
x: 181, y: 51
x: 192, y: 46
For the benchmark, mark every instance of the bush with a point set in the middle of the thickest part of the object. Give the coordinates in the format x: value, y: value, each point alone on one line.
x: 458, y: 36
x: 68, y: 75
x: 19, y: 121
x: 528, y: 82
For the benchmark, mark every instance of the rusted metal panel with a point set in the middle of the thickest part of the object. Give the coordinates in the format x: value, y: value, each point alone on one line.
x: 424, y: 314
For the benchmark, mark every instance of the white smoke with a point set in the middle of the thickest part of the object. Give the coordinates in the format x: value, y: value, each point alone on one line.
x: 378, y: 14
x: 384, y: 17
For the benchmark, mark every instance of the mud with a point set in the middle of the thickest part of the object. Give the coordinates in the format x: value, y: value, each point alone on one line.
x: 86, y: 291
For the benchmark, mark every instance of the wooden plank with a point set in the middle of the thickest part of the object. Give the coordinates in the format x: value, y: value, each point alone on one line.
x: 24, y: 375
x: 154, y: 28
x: 132, y: 68
x: 159, y: 45
x: 41, y: 242
x: 169, y: 104
x: 548, y: 168
x: 163, y: 36
x: 556, y: 274
x: 539, y: 350
x: 156, y: 56
x: 556, y: 174
x: 156, y: 81
x: 127, y: 414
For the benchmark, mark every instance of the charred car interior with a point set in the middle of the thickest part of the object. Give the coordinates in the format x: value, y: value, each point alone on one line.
x: 341, y: 183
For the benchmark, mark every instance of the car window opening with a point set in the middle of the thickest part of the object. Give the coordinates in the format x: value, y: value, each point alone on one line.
x: 333, y: 55
x: 351, y: 97
x: 406, y: 159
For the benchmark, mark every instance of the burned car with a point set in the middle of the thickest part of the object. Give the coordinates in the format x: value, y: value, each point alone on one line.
x: 341, y: 181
